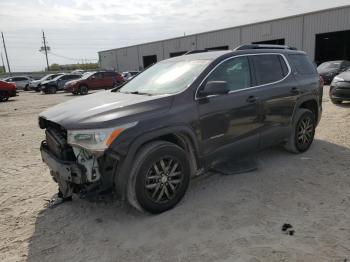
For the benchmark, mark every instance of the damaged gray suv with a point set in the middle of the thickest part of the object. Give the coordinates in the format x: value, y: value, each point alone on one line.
x: 144, y: 140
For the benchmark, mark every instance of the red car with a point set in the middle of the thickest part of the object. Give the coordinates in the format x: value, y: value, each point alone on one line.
x: 7, y: 90
x: 94, y: 81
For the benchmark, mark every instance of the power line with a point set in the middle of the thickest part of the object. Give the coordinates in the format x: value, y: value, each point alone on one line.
x: 73, y: 59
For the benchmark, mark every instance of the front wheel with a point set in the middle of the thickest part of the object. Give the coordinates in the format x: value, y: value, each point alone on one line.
x: 83, y: 90
x: 303, y: 132
x: 160, y: 177
x: 51, y: 90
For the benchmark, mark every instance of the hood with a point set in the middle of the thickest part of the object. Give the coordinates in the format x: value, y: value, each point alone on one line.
x: 345, y: 75
x: 106, y: 109
x: 72, y: 81
x: 47, y: 82
x: 35, y: 81
x: 327, y: 71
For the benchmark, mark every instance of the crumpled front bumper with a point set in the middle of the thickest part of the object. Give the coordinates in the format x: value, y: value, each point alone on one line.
x: 65, y: 173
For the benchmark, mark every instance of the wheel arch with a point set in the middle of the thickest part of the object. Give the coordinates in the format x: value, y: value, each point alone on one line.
x: 181, y: 136
x: 311, y: 104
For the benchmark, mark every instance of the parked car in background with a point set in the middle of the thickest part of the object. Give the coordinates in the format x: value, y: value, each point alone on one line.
x: 129, y: 74
x: 328, y: 70
x: 339, y: 90
x: 56, y: 84
x: 94, y: 81
x: 146, y: 139
x: 35, y: 84
x: 7, y: 90
x: 22, y: 82
x: 78, y: 72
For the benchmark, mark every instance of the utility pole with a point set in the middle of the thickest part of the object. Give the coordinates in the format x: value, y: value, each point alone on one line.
x: 7, y: 59
x: 45, y: 49
x: 3, y: 65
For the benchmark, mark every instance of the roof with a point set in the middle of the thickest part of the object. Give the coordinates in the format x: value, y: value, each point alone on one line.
x: 199, y: 56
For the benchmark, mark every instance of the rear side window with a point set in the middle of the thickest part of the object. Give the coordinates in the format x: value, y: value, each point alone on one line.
x: 302, y: 64
x: 269, y: 68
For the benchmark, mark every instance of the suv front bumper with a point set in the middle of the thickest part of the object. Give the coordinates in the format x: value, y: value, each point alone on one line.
x: 67, y: 174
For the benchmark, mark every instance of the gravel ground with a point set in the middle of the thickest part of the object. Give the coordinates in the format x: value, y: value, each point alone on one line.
x: 222, y: 218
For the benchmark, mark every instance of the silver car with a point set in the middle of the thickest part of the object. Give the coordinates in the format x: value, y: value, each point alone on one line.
x: 22, y: 82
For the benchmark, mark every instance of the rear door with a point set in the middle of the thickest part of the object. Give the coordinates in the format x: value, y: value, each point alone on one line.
x: 277, y: 92
x: 21, y: 82
x: 228, y: 123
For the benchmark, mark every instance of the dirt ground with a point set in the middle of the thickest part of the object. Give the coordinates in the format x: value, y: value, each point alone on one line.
x: 222, y: 218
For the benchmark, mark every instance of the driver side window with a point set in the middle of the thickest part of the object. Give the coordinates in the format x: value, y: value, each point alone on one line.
x: 235, y: 72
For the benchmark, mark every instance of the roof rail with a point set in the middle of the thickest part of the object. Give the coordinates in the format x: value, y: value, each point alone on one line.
x: 260, y: 46
x: 196, y: 52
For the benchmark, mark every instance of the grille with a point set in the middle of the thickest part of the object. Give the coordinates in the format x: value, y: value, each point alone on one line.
x: 56, y: 140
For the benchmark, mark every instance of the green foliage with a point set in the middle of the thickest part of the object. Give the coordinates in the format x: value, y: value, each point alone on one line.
x: 86, y: 66
x: 2, y: 70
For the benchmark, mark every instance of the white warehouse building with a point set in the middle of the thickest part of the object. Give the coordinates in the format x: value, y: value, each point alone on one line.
x: 324, y: 35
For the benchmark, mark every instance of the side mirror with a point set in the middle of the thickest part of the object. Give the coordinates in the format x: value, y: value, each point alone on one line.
x: 214, y: 88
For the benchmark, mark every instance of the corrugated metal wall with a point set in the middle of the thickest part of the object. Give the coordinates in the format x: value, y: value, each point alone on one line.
x: 298, y: 31
x: 324, y: 22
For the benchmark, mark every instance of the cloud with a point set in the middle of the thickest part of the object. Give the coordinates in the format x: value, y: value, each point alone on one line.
x: 80, y: 28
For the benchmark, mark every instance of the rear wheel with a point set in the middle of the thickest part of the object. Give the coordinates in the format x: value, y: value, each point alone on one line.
x: 160, y: 177
x: 4, y: 96
x: 38, y: 88
x: 336, y: 101
x: 83, y: 90
x: 26, y: 88
x: 303, y: 132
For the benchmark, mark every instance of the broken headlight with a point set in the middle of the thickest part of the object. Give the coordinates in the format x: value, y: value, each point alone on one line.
x: 96, y: 140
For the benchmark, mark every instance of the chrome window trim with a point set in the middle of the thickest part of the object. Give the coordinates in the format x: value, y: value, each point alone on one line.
x: 247, y: 88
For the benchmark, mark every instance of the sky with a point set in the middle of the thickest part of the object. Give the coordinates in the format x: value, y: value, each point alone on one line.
x: 78, y: 29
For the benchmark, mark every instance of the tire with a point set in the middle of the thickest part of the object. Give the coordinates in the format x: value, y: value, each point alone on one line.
x: 83, y: 90
x: 26, y: 88
x: 75, y: 93
x: 336, y: 101
x: 51, y: 90
x: 38, y: 88
x: 159, y: 178
x: 4, y: 96
x: 303, y: 132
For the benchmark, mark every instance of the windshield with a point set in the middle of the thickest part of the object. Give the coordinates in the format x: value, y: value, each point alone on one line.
x: 87, y: 75
x: 45, y: 77
x: 329, y: 65
x: 57, y: 77
x: 166, y: 77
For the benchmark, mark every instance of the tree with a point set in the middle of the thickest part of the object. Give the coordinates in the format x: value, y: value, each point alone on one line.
x: 55, y: 67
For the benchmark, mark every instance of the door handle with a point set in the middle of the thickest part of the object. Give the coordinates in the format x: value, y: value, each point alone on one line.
x: 294, y: 90
x: 252, y: 99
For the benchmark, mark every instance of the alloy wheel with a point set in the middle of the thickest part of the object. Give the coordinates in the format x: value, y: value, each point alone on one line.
x: 305, y: 131
x: 163, y: 180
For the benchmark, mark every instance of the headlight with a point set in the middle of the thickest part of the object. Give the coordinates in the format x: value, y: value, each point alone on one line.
x: 337, y: 79
x: 96, y: 140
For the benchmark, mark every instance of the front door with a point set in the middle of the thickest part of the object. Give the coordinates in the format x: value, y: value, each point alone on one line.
x: 229, y: 123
